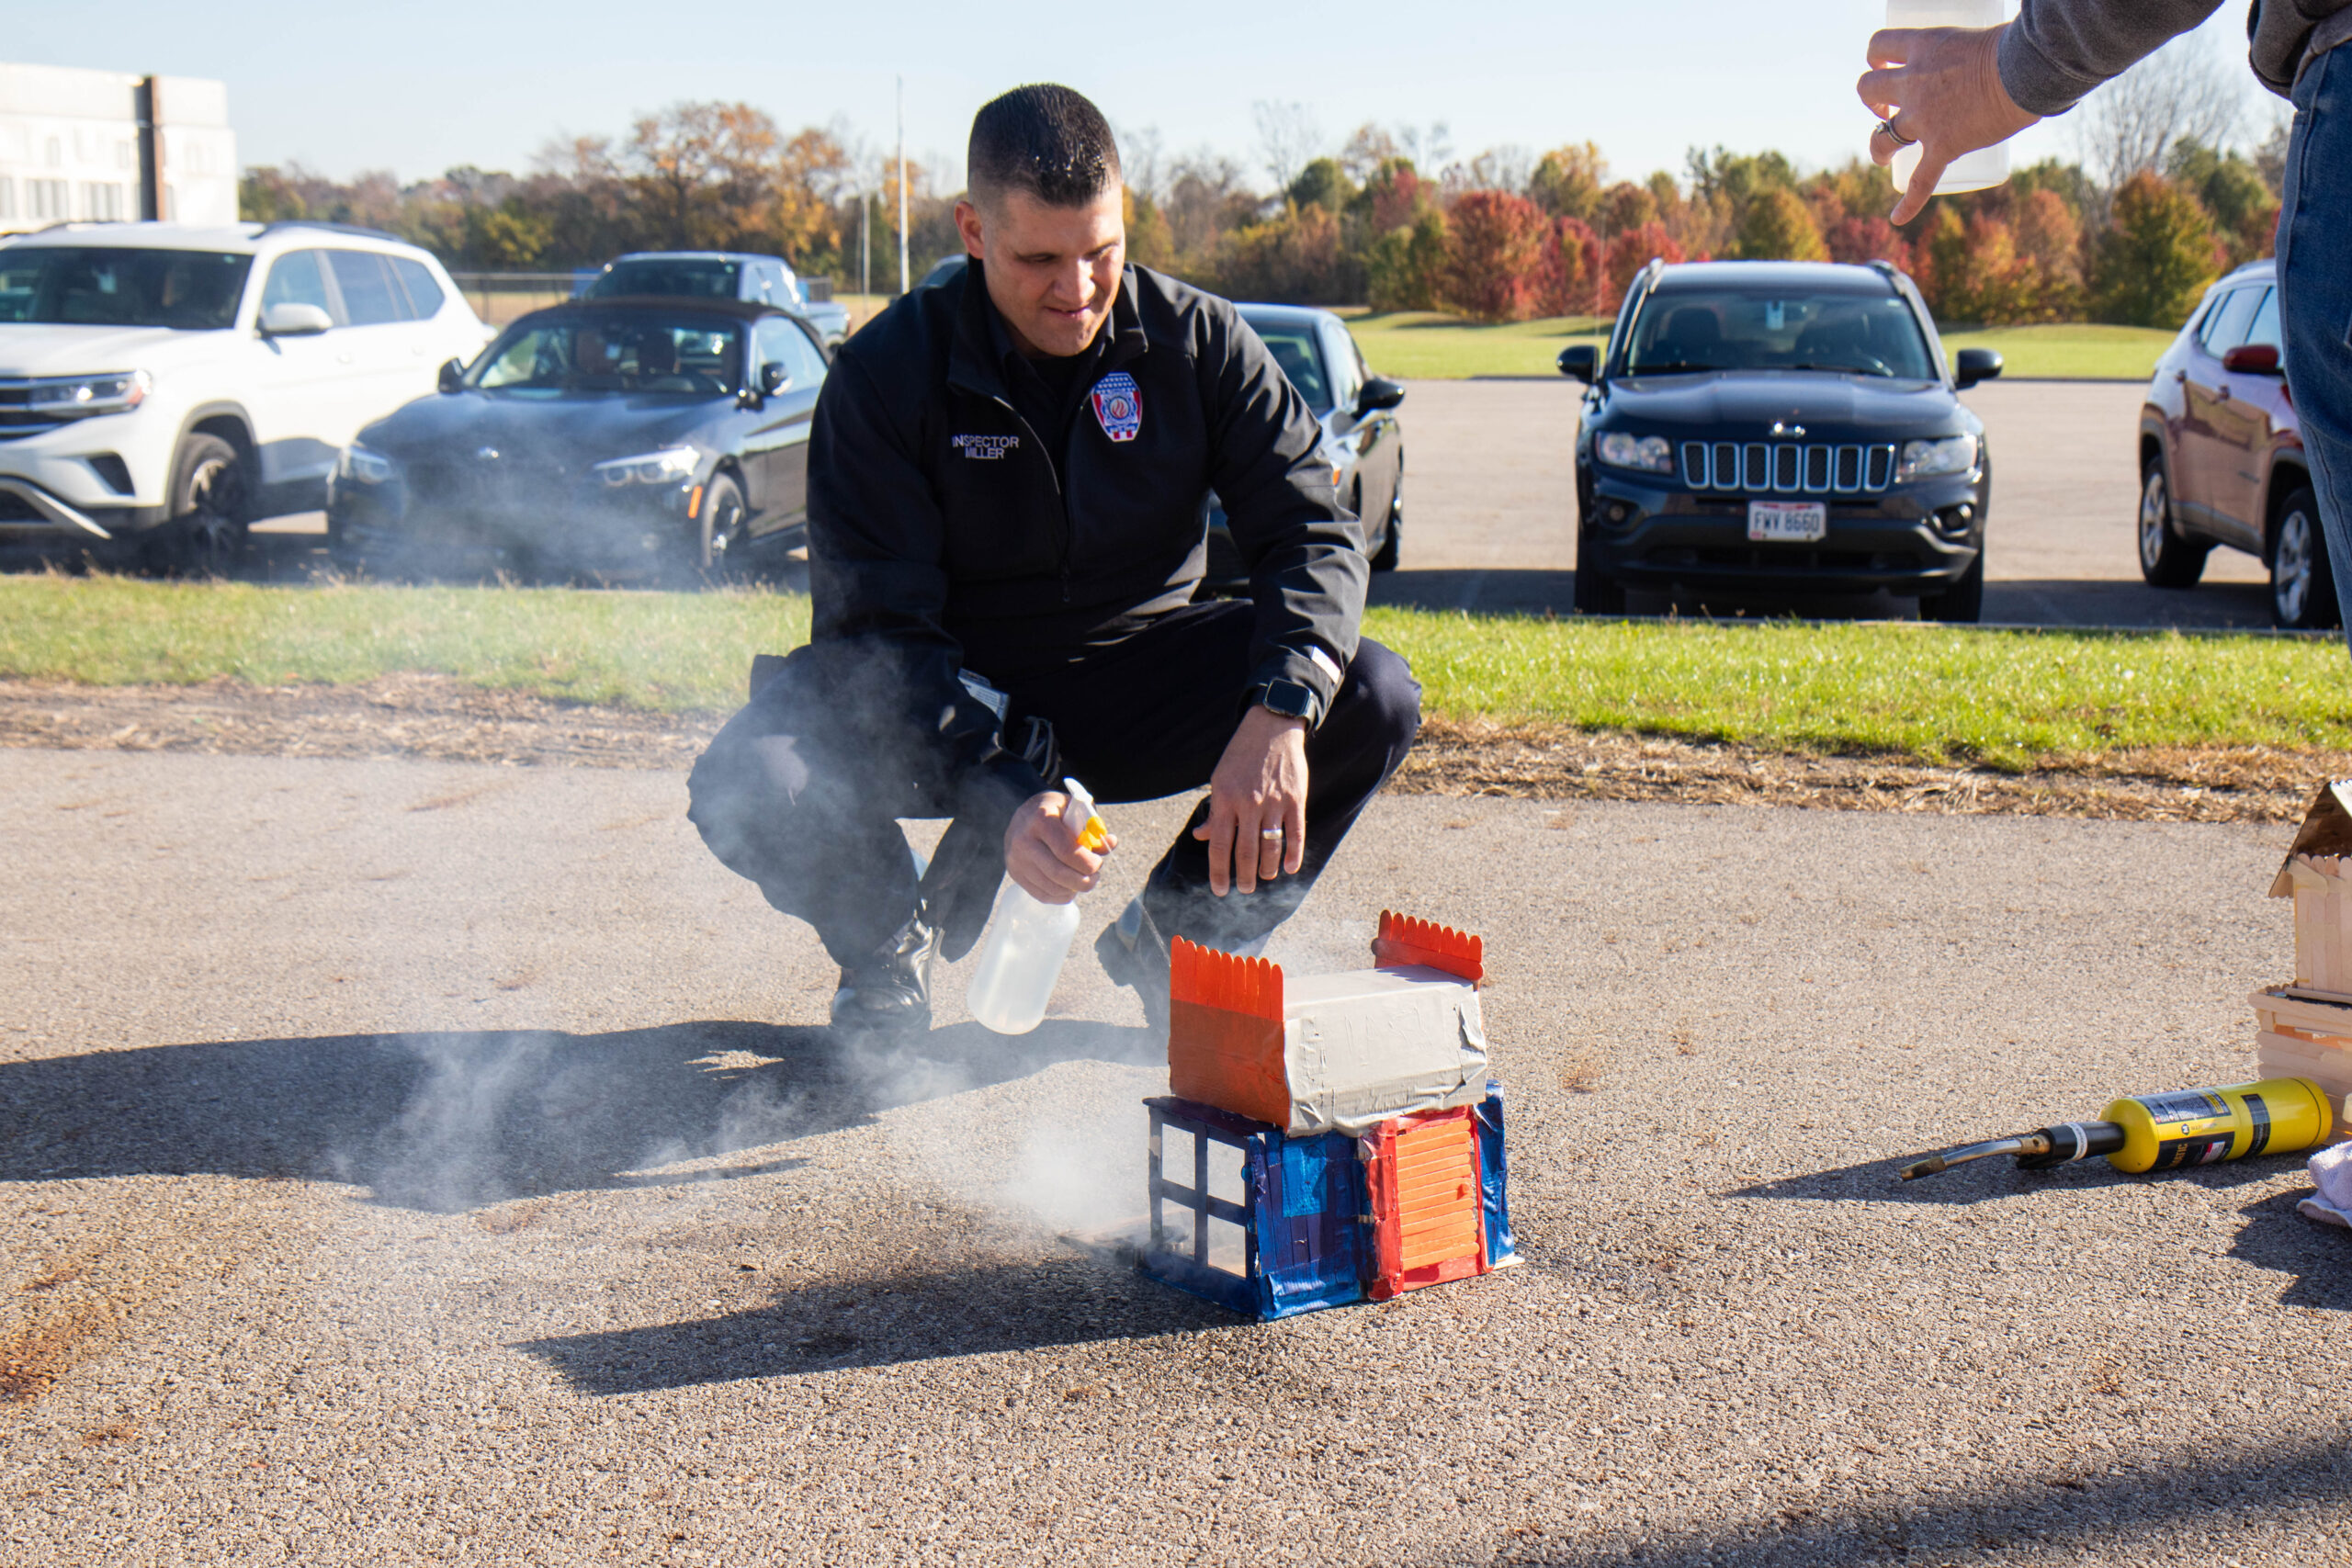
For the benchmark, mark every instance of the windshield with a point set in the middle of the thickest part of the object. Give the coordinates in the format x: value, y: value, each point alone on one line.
x: 112, y: 285
x: 692, y: 279
x: 1724, y: 329
x: 632, y: 352
x: 1294, y: 349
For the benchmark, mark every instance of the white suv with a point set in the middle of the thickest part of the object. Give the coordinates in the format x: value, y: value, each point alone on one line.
x: 162, y: 386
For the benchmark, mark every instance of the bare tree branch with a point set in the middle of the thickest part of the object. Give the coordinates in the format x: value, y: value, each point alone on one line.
x: 1288, y: 140
x: 2182, y: 91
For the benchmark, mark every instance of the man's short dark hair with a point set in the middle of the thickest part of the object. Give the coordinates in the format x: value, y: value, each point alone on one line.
x: 1045, y: 141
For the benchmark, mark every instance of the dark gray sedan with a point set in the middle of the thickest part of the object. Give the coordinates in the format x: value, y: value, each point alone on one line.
x: 1362, y: 437
x: 640, y: 437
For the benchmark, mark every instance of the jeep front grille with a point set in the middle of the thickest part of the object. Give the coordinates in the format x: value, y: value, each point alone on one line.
x: 1787, y: 468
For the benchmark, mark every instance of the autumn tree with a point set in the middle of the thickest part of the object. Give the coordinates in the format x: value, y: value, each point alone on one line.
x: 1496, y: 257
x: 1781, y: 227
x: 2157, y: 255
x: 1627, y: 255
x: 1568, y: 180
x: 1290, y: 258
x: 1407, y: 267
x: 1573, y: 270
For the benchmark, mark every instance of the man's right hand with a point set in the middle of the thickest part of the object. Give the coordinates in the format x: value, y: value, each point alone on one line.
x: 1042, y: 851
x: 1940, y: 87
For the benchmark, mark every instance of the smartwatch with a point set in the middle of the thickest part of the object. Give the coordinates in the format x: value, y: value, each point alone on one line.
x: 1290, y: 699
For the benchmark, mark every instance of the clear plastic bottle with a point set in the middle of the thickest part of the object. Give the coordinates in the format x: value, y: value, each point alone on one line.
x: 1028, y: 940
x: 1987, y: 166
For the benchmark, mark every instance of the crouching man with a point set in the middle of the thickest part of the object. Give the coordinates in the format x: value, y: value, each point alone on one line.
x: 1006, y: 485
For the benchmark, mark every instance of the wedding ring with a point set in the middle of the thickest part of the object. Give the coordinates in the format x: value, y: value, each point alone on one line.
x: 1270, y: 832
x: 1896, y: 136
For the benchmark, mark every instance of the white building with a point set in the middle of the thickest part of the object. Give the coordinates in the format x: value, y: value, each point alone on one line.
x: 98, y: 146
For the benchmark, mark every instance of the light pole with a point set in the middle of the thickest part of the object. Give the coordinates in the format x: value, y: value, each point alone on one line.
x: 902, y: 185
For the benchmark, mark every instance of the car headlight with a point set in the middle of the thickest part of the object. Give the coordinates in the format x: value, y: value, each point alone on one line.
x: 78, y: 397
x: 364, y: 467
x: 1924, y: 459
x: 674, y: 466
x: 1651, y: 453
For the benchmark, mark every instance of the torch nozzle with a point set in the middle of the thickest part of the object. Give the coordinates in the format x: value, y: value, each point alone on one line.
x: 2024, y: 1144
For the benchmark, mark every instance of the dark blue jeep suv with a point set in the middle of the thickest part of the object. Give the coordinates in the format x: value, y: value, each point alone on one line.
x: 1780, y: 428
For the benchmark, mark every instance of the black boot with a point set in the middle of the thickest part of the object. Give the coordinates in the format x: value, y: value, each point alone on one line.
x: 890, y: 994
x: 1135, y: 955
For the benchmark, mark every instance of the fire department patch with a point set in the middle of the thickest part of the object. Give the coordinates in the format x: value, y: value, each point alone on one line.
x: 1118, y: 405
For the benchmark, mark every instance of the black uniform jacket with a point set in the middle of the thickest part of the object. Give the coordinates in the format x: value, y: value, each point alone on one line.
x: 946, y: 533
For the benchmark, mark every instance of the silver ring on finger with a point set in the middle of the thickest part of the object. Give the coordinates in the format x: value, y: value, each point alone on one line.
x: 1272, y: 835
x: 1896, y: 136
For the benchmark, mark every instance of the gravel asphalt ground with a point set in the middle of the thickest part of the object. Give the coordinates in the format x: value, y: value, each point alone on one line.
x: 431, y: 1162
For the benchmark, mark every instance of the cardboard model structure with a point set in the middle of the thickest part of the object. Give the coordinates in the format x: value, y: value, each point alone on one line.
x: 1369, y: 1138
x: 2306, y: 1025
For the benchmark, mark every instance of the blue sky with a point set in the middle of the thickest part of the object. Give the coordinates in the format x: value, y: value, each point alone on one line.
x: 423, y: 84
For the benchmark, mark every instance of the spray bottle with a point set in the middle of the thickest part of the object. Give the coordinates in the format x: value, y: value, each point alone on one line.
x: 2168, y: 1132
x: 1029, y: 940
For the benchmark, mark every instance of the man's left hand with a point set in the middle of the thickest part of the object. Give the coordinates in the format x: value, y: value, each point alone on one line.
x: 1257, y: 826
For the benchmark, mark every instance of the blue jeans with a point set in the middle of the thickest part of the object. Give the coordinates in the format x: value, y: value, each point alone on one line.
x: 2315, y: 296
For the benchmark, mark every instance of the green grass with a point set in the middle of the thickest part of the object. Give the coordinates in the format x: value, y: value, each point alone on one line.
x: 1421, y: 344
x: 2075, y: 350
x: 1418, y: 345
x: 1938, y: 694
x: 663, y: 652
x: 1934, y: 693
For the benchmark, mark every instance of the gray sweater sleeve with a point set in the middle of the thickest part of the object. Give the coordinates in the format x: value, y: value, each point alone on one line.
x: 2057, y: 51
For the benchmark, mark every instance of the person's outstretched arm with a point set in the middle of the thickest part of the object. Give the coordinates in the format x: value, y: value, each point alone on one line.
x: 1953, y: 90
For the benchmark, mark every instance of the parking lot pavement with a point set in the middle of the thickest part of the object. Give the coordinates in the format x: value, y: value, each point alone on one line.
x: 1490, y: 504
x: 429, y: 1163
x: 1490, y: 513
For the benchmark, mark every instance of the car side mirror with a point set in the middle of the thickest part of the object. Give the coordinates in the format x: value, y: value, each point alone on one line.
x: 774, y: 378
x: 1378, y: 393
x: 1580, y: 361
x: 288, y: 319
x: 2253, y: 359
x: 453, y: 375
x: 1975, y: 365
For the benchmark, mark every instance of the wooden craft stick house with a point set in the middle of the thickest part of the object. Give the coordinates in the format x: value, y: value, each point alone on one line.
x: 1369, y: 1137
x: 2306, y: 1025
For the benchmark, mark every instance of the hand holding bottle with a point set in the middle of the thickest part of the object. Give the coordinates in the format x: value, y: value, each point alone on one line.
x: 1047, y: 852
x: 1938, y: 85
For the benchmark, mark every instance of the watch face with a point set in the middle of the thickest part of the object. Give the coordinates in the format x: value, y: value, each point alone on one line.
x: 1289, y: 699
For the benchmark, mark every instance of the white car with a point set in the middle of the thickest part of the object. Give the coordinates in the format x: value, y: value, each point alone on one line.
x: 163, y: 386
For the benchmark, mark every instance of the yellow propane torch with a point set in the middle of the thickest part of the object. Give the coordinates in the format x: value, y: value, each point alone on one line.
x: 2168, y: 1132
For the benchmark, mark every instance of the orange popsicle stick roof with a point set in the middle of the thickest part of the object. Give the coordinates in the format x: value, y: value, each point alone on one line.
x: 1225, y: 1044
x: 1404, y: 942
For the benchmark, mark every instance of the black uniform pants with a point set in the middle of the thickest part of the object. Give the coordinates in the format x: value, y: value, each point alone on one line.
x: 803, y: 796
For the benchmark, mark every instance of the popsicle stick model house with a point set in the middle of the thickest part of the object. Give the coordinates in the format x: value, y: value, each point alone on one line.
x: 2305, y: 1026
x: 1357, y: 1116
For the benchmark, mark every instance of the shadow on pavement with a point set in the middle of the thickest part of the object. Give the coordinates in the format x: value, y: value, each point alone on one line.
x: 832, y: 1325
x: 2320, y: 1257
x: 2066, y: 601
x: 1982, y: 1180
x: 2106, y: 1518
x: 445, y: 1122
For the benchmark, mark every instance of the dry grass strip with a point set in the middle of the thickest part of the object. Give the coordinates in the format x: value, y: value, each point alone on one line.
x: 442, y: 719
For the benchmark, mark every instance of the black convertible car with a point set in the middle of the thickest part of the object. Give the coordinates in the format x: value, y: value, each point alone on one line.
x: 627, y: 437
x: 1783, y: 428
